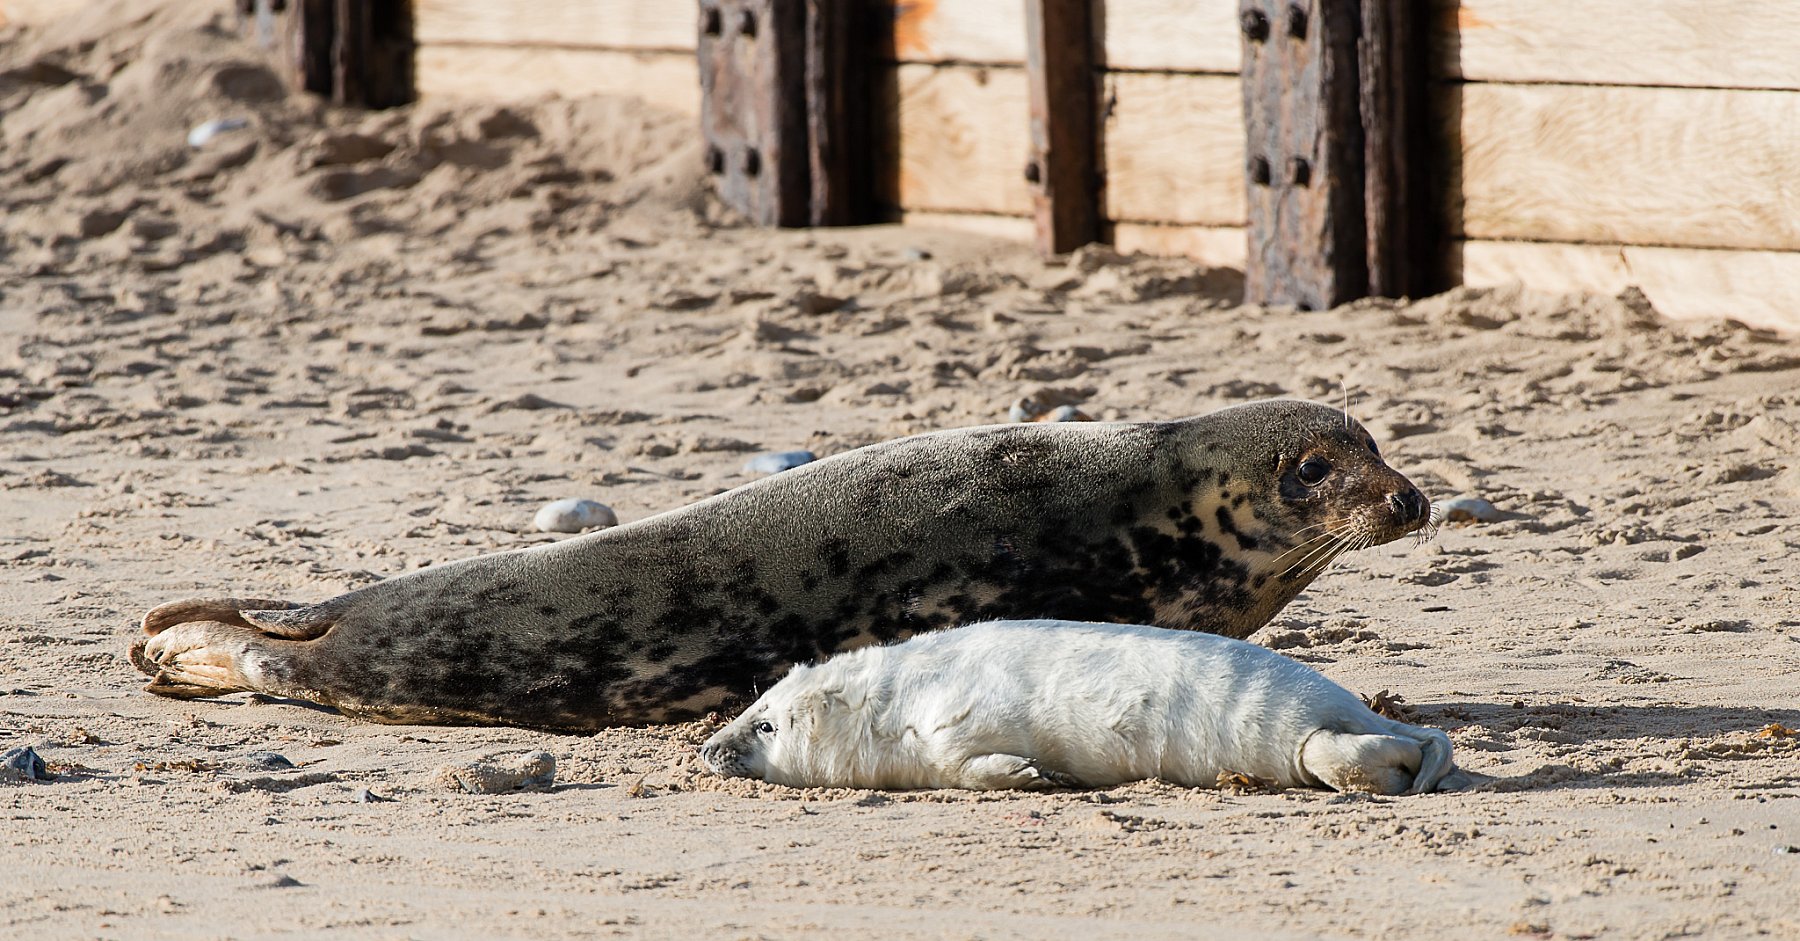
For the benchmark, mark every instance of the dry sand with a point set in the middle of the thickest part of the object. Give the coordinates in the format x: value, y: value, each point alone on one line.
x: 332, y: 347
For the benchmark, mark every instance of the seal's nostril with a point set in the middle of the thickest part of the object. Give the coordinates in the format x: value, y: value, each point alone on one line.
x: 1408, y: 506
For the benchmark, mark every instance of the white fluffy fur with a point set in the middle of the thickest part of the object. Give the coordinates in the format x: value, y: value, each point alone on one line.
x: 1026, y: 704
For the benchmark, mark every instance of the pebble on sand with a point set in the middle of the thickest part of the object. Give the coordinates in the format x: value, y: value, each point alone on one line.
x: 774, y: 462
x: 574, y: 516
x: 499, y: 774
x: 1027, y: 410
x: 22, y: 764
x: 1466, y: 510
x: 202, y: 133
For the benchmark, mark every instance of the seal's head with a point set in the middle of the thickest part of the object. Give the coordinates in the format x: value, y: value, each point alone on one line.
x: 1286, y: 486
x: 810, y: 727
x: 1308, y: 484
x: 769, y: 735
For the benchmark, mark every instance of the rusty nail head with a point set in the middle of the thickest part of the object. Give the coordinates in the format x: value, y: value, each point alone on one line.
x: 1259, y: 171
x: 1296, y: 21
x: 747, y: 23
x: 752, y: 161
x: 1299, y: 171
x: 713, y: 22
x: 1033, y: 172
x: 715, y: 160
x: 1256, y: 25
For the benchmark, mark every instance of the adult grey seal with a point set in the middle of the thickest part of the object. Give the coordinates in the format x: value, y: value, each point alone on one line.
x: 1038, y: 704
x: 1210, y: 523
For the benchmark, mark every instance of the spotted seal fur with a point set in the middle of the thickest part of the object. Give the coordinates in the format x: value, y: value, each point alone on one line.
x: 1038, y: 704
x: 1210, y: 523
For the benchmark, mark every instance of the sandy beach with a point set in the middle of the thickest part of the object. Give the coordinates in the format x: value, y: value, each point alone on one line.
x: 332, y: 347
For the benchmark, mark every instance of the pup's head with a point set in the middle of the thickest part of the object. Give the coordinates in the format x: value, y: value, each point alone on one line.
x: 788, y: 736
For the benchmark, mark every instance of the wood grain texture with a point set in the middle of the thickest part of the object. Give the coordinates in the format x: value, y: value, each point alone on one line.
x: 606, y: 24
x: 668, y: 80
x: 1174, y: 144
x: 1175, y: 149
x: 972, y: 31
x: 1704, y: 43
x: 1172, y: 35
x: 1758, y: 288
x: 1638, y: 166
x: 1219, y: 246
x: 1161, y: 35
x: 963, y: 138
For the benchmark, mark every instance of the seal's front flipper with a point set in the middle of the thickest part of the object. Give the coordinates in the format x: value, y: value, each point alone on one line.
x: 997, y: 772
x: 196, y: 659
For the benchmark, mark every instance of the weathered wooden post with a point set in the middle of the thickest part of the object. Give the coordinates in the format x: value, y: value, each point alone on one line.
x: 1333, y: 117
x: 1064, y: 165
x: 784, y: 109
x: 355, y: 52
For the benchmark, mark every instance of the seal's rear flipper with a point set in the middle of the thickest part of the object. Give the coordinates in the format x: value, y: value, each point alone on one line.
x: 1348, y: 761
x: 277, y: 618
x: 196, y: 659
x: 224, y: 610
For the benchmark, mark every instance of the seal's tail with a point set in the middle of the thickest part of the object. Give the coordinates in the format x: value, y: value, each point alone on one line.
x: 213, y: 646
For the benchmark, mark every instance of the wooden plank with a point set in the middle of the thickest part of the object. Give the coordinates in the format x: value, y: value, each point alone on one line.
x: 609, y: 24
x: 1701, y: 43
x: 962, y: 140
x: 1174, y: 144
x: 1219, y: 246
x: 518, y: 73
x: 948, y: 31
x: 1640, y: 166
x: 1063, y: 167
x: 1175, y: 149
x: 1758, y: 288
x: 1153, y: 35
x: 1173, y: 35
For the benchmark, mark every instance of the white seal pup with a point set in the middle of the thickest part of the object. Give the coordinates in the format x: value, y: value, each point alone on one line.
x: 1038, y: 704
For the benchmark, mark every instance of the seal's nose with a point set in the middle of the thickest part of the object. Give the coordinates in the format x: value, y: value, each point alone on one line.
x: 1409, y: 506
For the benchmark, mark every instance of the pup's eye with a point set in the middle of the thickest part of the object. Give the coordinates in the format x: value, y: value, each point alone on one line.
x: 766, y: 728
x: 1312, y: 471
x: 1373, y: 449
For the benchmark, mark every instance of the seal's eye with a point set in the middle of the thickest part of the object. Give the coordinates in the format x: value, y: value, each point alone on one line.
x: 1312, y: 471
x: 1373, y: 449
x: 765, y: 728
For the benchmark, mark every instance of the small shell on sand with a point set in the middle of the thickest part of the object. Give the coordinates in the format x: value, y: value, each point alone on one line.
x: 499, y: 774
x: 1465, y: 510
x: 574, y: 516
x: 774, y: 462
